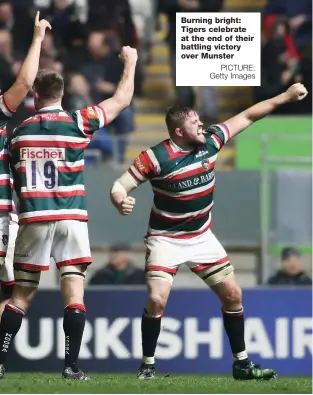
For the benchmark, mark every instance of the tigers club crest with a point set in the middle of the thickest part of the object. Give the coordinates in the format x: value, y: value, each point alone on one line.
x: 205, y: 163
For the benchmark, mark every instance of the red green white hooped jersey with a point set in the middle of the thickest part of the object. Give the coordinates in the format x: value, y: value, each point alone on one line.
x: 5, y: 185
x: 182, y: 183
x: 47, y: 159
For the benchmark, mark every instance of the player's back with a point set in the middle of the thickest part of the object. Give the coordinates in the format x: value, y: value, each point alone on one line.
x: 47, y: 158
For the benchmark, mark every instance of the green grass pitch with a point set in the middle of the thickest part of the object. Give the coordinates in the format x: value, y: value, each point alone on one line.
x: 40, y: 383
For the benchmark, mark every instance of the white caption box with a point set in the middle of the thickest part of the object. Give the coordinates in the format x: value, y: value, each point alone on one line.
x: 218, y: 49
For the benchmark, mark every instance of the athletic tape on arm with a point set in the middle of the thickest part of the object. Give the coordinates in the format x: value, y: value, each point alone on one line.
x: 124, y: 184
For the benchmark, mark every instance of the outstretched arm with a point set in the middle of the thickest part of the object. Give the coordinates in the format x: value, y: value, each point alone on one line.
x: 124, y: 93
x: 241, y: 121
x: 26, y: 77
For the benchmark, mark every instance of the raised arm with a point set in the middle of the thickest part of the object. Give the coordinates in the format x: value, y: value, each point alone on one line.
x: 124, y: 92
x: 241, y: 121
x: 26, y: 77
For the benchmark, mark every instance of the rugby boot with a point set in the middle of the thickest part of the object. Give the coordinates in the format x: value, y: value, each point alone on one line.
x: 146, y: 372
x: 2, y: 370
x: 69, y: 374
x: 251, y: 371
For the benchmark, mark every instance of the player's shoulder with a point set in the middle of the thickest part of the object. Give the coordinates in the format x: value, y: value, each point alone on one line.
x: 25, y: 125
x: 160, y: 150
x: 159, y: 153
x: 217, y: 135
x: 219, y: 129
x: 152, y: 159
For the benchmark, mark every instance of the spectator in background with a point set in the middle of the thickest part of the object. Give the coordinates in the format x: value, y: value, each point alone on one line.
x: 305, y: 70
x: 60, y: 14
x: 78, y: 93
x: 144, y: 16
x: 280, y: 67
x: 75, y: 43
x: 297, y: 39
x: 15, y: 16
x: 120, y: 270
x: 291, y: 272
x: 114, y: 17
x: 185, y: 94
x: 6, y: 15
x: 299, y: 13
x: 79, y: 8
x: 75, y: 50
x: 6, y: 60
x: 102, y: 69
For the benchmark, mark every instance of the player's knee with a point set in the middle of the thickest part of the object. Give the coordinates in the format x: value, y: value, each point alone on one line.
x: 156, y: 303
x: 232, y: 296
x: 72, y: 284
x: 23, y: 295
x: 6, y: 291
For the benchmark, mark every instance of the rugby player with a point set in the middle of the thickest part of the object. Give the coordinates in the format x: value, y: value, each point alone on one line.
x: 47, y: 158
x: 9, y: 102
x: 181, y: 172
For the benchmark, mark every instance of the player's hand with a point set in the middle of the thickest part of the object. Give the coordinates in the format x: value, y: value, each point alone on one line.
x: 128, y: 55
x: 296, y: 92
x: 40, y: 27
x: 126, y: 205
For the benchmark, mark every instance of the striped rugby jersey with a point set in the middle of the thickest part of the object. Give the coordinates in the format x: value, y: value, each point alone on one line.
x: 47, y: 158
x: 182, y: 183
x: 5, y: 187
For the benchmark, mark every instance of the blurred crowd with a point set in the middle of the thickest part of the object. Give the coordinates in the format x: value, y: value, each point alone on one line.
x: 120, y: 269
x: 87, y: 34
x: 287, y: 51
x: 83, y: 45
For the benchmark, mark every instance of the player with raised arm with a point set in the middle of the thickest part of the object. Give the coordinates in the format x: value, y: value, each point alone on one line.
x: 9, y: 102
x: 181, y: 173
x: 47, y: 158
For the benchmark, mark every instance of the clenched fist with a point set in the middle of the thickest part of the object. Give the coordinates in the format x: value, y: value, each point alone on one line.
x: 128, y: 55
x: 296, y: 92
x: 126, y: 206
x: 40, y: 27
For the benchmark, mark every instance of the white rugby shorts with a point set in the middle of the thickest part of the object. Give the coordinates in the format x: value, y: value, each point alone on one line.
x: 7, y: 272
x: 66, y: 241
x: 198, y: 253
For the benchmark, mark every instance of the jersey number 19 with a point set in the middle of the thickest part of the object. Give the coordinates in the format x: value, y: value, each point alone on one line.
x: 42, y: 168
x: 44, y: 175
